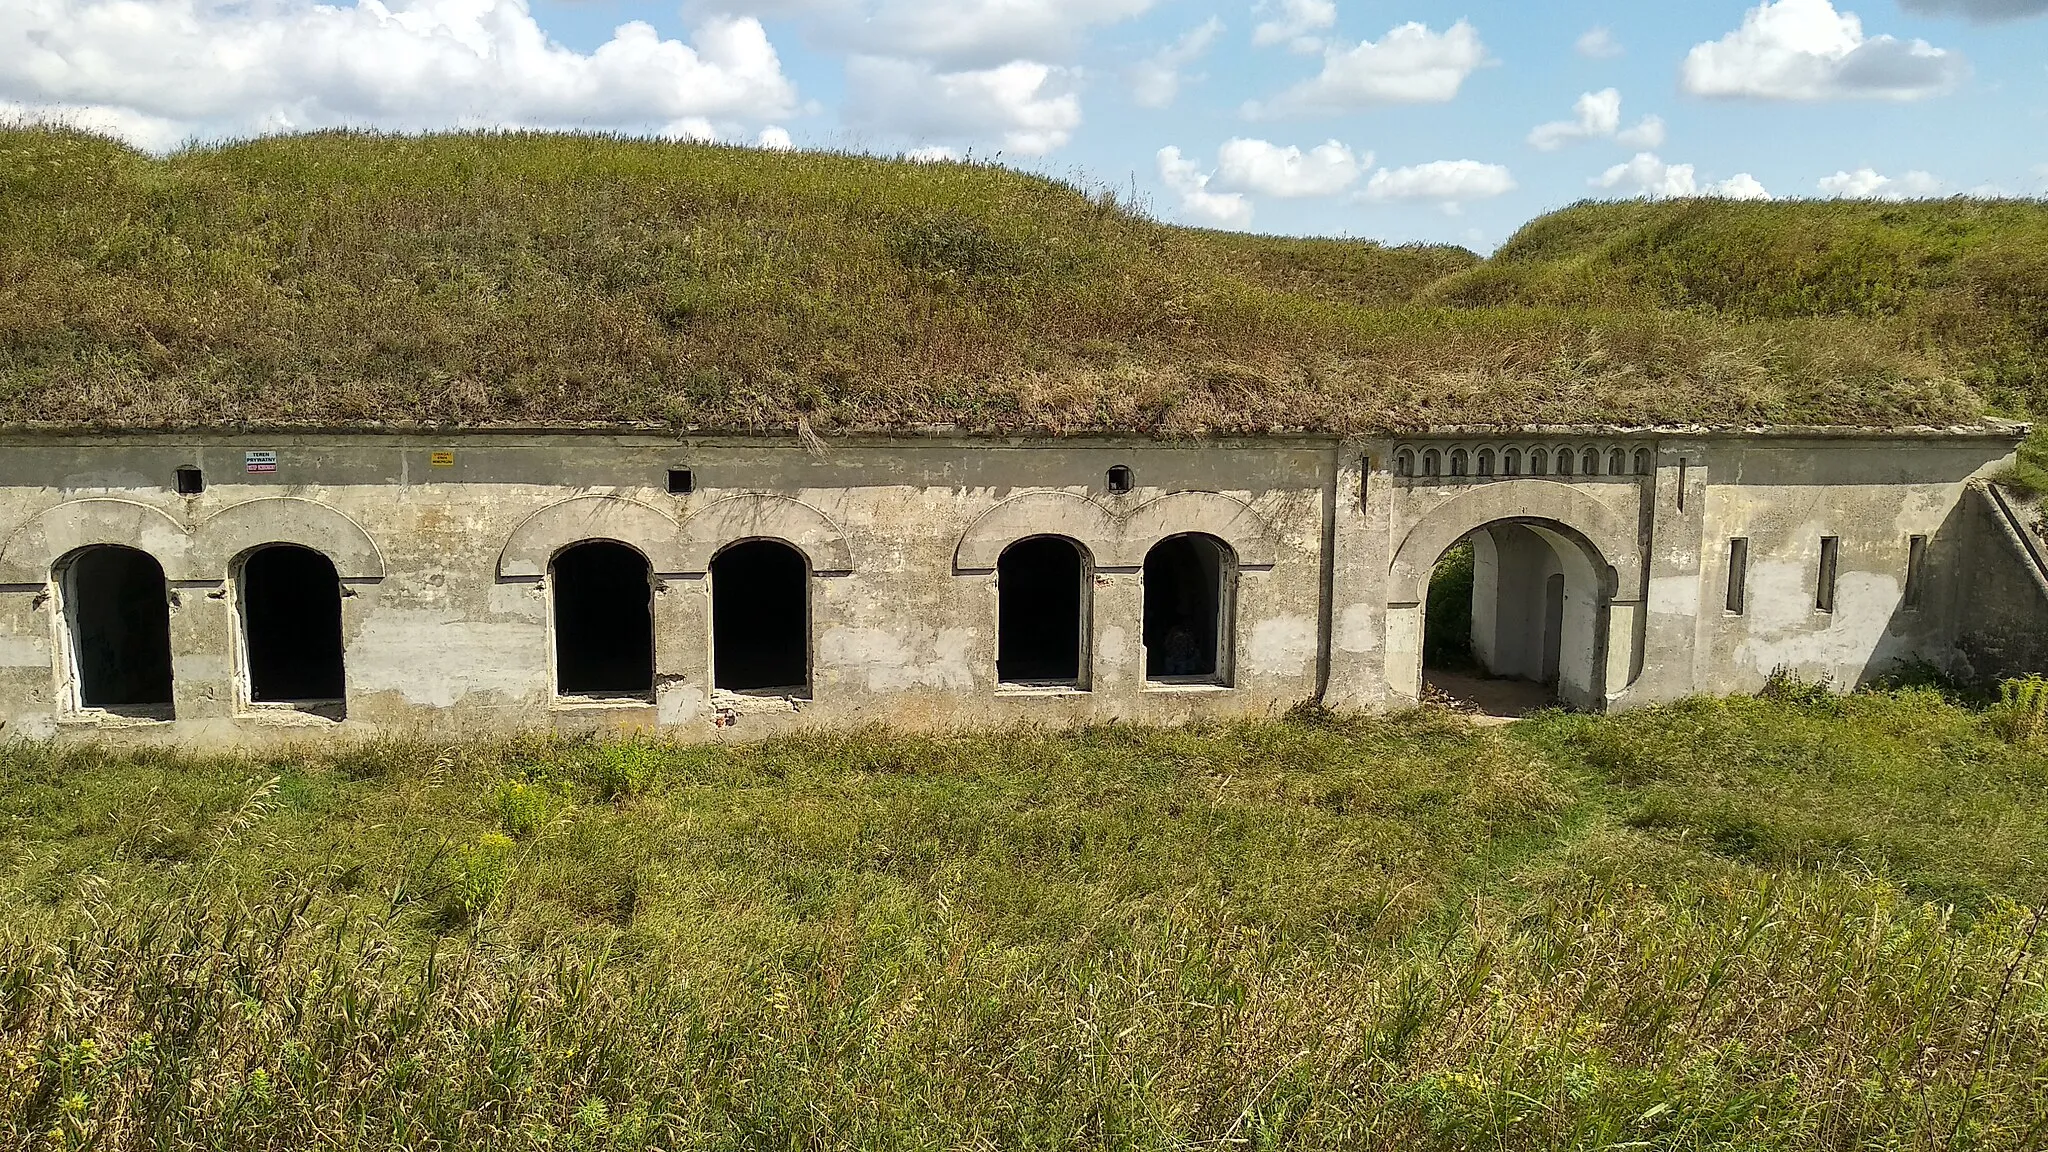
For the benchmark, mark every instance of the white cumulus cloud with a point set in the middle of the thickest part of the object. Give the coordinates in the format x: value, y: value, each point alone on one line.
x: 1156, y: 80
x: 1806, y: 50
x: 1597, y: 116
x: 162, y: 71
x: 775, y: 138
x: 1410, y: 65
x: 1598, y: 43
x: 1197, y: 203
x: 1027, y: 107
x: 1869, y: 184
x: 1270, y: 170
x: 1447, y: 182
x: 1293, y: 22
x: 1647, y: 175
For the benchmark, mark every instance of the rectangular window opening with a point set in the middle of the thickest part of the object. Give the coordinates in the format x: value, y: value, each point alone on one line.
x: 1830, y: 560
x: 681, y: 482
x: 1916, y: 570
x: 1738, y: 575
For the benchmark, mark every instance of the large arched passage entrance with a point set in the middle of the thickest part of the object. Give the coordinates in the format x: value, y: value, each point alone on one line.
x: 1555, y: 590
x: 1514, y: 620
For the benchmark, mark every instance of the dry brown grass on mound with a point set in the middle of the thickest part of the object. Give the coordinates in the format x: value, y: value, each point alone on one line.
x: 341, y: 280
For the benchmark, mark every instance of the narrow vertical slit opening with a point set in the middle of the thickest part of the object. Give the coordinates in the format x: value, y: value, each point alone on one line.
x: 1830, y: 560
x: 1738, y: 575
x: 1916, y: 571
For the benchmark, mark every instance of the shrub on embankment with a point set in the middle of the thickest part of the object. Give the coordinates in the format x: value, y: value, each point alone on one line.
x: 1793, y: 923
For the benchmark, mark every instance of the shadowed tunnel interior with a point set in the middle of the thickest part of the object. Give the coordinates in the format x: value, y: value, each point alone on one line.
x: 291, y: 617
x: 604, y: 621
x: 761, y: 618
x: 1184, y: 604
x: 1039, y: 588
x: 119, y: 612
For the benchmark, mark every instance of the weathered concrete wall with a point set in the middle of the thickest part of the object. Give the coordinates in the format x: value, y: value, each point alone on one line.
x: 2002, y: 623
x: 447, y: 611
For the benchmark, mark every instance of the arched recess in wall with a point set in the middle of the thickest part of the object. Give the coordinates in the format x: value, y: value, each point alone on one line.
x: 761, y: 517
x: 1031, y: 514
x: 1227, y: 518
x: 1613, y: 535
x: 30, y: 551
x: 233, y: 532
x: 1567, y: 517
x: 535, y: 542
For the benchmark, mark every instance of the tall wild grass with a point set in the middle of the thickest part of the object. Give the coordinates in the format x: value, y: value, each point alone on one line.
x: 1787, y: 923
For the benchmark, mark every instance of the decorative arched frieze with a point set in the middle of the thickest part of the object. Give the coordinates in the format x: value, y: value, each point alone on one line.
x: 754, y: 516
x: 32, y: 550
x: 1113, y: 541
x: 1226, y: 518
x: 539, y: 537
x: 232, y: 532
x: 1613, y: 537
x: 1039, y: 514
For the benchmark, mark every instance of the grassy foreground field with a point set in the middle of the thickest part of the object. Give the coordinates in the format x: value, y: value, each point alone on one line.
x: 1758, y: 923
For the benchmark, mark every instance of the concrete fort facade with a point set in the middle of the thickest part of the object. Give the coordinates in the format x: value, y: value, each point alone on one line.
x: 232, y: 589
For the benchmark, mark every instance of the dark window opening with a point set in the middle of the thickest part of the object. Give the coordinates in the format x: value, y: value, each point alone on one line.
x: 1404, y: 463
x: 1916, y: 570
x: 761, y: 619
x: 119, y: 611
x: 1830, y: 559
x: 1040, y: 587
x: 291, y: 622
x: 1738, y: 575
x: 681, y: 482
x: 1187, y: 605
x: 191, y: 481
x: 604, y: 621
x: 1122, y: 480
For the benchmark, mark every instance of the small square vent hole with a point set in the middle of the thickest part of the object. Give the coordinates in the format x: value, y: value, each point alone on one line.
x: 191, y: 481
x: 681, y: 481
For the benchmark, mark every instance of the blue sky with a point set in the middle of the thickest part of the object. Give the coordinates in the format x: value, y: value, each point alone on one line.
x: 1392, y: 119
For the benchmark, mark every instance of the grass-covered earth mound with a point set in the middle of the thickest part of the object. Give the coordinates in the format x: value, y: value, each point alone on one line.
x: 350, y: 280
x: 1798, y: 922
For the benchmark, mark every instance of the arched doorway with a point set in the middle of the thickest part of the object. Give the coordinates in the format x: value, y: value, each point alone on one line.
x: 117, y: 609
x: 604, y: 621
x: 290, y: 599
x: 1041, y: 613
x: 761, y: 619
x: 1515, y: 620
x: 1189, y: 585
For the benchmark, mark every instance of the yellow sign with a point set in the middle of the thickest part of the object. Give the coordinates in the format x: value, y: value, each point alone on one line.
x: 442, y: 459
